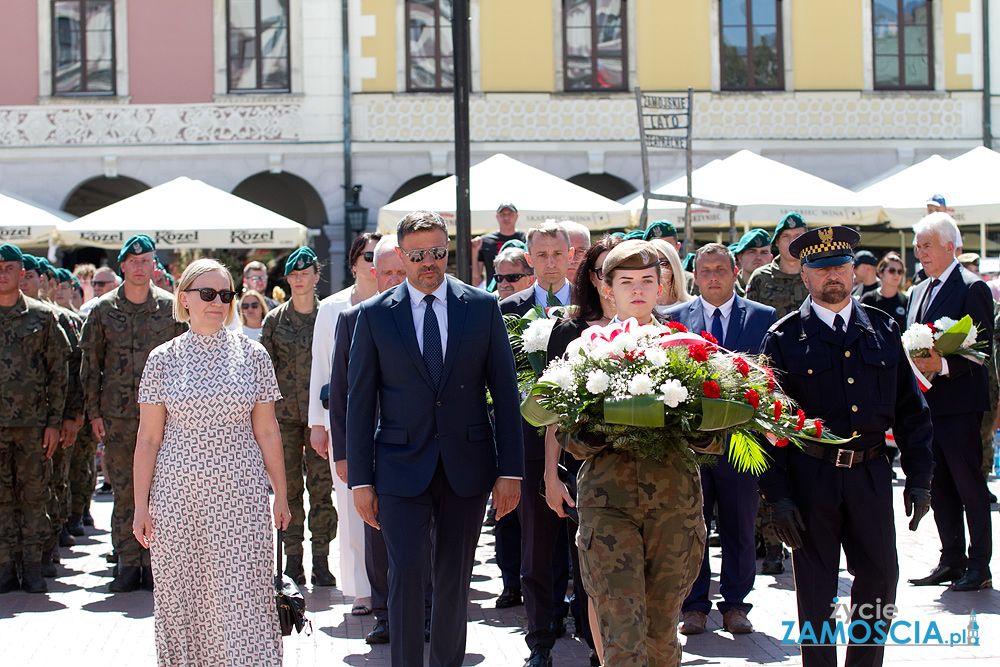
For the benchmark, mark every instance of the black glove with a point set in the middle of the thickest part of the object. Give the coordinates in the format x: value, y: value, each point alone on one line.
x: 787, y: 522
x: 916, y: 502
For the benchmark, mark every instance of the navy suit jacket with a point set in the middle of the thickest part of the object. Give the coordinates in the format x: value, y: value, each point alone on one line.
x: 418, y: 425
x: 966, y: 387
x: 343, y: 333
x: 748, y: 322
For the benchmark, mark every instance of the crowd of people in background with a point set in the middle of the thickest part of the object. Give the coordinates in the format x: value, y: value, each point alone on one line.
x: 306, y: 396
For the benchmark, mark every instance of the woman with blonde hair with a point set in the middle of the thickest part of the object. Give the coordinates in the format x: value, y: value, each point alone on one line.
x: 671, y: 276
x: 208, y: 442
x: 253, y: 308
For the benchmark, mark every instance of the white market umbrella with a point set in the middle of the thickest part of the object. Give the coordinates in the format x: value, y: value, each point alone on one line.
x: 538, y: 196
x: 903, y: 195
x: 763, y: 190
x: 185, y: 213
x: 25, y: 223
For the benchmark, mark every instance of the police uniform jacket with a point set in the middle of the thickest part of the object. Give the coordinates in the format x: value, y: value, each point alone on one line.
x: 860, y: 388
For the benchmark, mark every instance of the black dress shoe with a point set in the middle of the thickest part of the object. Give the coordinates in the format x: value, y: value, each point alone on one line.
x: 942, y: 574
x: 427, y: 631
x: 973, y: 580
x: 510, y: 597
x: 558, y: 628
x: 540, y: 657
x: 379, y: 633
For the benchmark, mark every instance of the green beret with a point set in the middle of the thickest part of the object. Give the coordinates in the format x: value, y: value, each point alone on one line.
x: 139, y: 244
x: 688, y: 262
x: 44, y: 266
x: 635, y: 235
x: 30, y: 262
x: 11, y: 253
x: 631, y: 254
x: 302, y: 258
x: 755, y: 238
x: 620, y: 235
x: 790, y: 221
x: 76, y: 283
x: 659, y: 229
x: 64, y: 276
x: 513, y: 243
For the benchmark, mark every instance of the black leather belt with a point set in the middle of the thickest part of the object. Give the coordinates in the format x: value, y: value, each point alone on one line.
x: 842, y: 458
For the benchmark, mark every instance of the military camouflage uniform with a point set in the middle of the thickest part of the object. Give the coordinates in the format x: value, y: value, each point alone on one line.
x: 34, y: 373
x: 987, y: 431
x: 741, y: 284
x: 287, y: 336
x: 641, y: 539
x: 117, y: 338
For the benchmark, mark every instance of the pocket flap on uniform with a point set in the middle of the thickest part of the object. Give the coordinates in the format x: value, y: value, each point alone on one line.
x: 391, y: 436
x: 26, y: 331
x: 584, y: 536
x: 480, y: 432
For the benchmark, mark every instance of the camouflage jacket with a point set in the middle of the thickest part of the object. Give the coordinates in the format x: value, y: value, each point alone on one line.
x: 34, y: 367
x: 770, y: 286
x: 116, y: 340
x: 72, y: 324
x: 287, y: 335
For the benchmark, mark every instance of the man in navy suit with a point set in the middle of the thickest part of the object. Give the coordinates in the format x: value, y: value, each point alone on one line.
x: 957, y: 398
x: 423, y: 355
x: 739, y: 325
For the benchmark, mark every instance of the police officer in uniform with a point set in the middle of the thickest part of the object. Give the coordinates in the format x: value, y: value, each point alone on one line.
x: 34, y: 371
x: 287, y: 334
x: 118, y: 335
x: 843, y: 362
x: 752, y: 251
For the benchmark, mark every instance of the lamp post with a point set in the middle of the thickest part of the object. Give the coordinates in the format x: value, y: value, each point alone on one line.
x: 356, y: 222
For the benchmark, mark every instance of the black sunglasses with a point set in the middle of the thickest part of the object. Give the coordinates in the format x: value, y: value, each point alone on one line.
x: 511, y: 277
x: 368, y: 255
x: 894, y: 271
x: 250, y: 305
x: 599, y: 272
x: 208, y: 294
x: 415, y: 256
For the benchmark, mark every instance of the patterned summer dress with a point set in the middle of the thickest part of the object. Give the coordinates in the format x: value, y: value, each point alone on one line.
x: 211, y: 548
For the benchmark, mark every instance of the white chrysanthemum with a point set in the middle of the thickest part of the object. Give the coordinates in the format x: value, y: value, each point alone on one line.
x: 674, y: 393
x: 640, y: 385
x: 536, y: 335
x: 561, y: 376
x: 970, y: 339
x: 918, y: 337
x: 656, y: 356
x: 601, y: 351
x: 944, y: 323
x: 598, y: 382
x: 624, y: 342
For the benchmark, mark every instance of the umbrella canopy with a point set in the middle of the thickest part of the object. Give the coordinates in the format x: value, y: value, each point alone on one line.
x: 764, y: 190
x: 185, y: 213
x: 26, y: 223
x: 537, y: 195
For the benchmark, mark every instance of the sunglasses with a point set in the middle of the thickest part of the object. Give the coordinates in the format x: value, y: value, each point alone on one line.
x: 511, y: 277
x: 368, y: 255
x: 208, y: 294
x: 418, y: 255
x: 101, y: 283
x: 894, y: 271
x: 250, y: 305
x: 599, y: 272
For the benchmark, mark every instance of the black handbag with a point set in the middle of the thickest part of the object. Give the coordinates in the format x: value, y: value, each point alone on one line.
x: 291, y: 604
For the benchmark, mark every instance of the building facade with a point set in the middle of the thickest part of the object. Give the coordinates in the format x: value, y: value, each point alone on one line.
x: 108, y: 97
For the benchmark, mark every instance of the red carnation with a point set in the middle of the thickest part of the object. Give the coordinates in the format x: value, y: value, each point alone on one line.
x: 753, y: 398
x: 699, y: 351
x: 676, y: 327
x: 819, y: 428
x: 781, y: 443
x: 778, y: 407
x: 801, y: 420
x: 709, y: 337
x: 770, y: 379
x: 711, y: 389
x: 742, y: 366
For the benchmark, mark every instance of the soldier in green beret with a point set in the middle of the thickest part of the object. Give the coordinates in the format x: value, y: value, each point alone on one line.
x: 635, y: 235
x: 752, y: 251
x: 120, y: 332
x: 665, y: 230
x: 34, y: 371
x: 287, y: 334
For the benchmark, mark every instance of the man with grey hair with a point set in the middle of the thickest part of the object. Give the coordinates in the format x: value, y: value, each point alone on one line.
x: 512, y: 271
x: 957, y: 399
x: 579, y: 241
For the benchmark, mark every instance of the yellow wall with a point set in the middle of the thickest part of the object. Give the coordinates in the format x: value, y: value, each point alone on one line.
x: 674, y: 44
x: 382, y: 46
x: 827, y: 51
x: 516, y: 45
x: 954, y: 44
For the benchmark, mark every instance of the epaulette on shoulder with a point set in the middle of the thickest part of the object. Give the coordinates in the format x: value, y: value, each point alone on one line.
x: 777, y: 325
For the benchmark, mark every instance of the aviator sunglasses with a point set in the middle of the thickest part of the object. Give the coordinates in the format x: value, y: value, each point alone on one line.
x: 418, y: 255
x: 208, y: 294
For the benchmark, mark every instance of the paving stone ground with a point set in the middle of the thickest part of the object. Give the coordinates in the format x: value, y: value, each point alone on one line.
x: 79, y: 624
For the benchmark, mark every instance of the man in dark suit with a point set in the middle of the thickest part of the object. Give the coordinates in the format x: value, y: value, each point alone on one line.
x: 434, y: 456
x: 549, y: 253
x: 739, y: 325
x: 957, y: 398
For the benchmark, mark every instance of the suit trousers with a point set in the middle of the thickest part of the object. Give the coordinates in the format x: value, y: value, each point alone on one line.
x: 430, y: 537
x: 849, y: 508
x: 736, y: 494
x: 507, y: 534
x: 540, y: 527
x: 958, y: 489
x: 119, y: 453
x: 377, y: 569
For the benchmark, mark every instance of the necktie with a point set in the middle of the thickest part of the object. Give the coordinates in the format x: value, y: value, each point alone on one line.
x: 839, y: 328
x: 717, y: 326
x: 927, y: 300
x: 432, y: 342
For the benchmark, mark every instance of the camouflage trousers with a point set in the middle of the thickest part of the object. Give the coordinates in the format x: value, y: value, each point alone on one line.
x: 638, y: 565
x: 24, y: 493
x: 82, y: 471
x: 302, y: 460
x: 119, y: 452
x: 58, y: 505
x: 989, y: 419
x: 765, y: 533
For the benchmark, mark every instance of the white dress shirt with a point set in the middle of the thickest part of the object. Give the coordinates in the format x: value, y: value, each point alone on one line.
x: 828, y: 316
x: 542, y: 295
x: 933, y: 295
x: 708, y: 311
x: 418, y: 308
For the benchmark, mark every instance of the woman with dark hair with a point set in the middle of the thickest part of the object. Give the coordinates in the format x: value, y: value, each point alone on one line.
x: 888, y: 297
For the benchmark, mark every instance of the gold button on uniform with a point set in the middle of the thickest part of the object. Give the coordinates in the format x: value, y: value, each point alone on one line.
x: 847, y: 353
x: 810, y: 371
x: 855, y: 434
x: 854, y: 408
x: 850, y: 380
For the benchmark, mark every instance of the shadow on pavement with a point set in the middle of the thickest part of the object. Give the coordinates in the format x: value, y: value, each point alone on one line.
x: 26, y: 603
x: 130, y: 605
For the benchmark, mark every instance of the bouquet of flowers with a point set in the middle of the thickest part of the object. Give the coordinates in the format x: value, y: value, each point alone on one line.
x: 529, y: 338
x: 655, y: 389
x: 945, y: 336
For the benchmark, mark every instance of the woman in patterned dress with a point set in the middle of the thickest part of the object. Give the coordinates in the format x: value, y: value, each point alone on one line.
x: 208, y: 440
